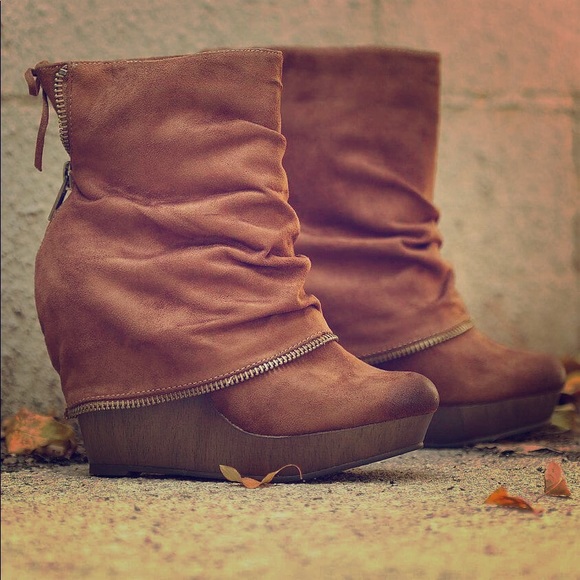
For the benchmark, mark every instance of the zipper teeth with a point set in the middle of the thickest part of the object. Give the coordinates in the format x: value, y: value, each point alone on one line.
x: 418, y: 345
x: 233, y: 379
x: 60, y: 106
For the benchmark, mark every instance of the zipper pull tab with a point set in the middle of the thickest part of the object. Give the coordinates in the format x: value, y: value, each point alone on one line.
x: 41, y: 133
x: 64, y: 189
x: 34, y: 87
x: 33, y: 82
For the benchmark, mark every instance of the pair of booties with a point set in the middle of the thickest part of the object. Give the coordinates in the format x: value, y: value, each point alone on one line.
x: 174, y: 292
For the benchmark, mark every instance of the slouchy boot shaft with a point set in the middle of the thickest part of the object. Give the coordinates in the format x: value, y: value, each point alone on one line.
x: 362, y: 125
x: 172, y: 259
x: 362, y: 129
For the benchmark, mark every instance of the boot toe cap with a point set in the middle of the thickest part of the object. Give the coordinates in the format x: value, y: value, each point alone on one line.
x: 418, y: 396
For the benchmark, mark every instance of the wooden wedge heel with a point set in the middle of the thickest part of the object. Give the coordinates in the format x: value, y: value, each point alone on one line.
x: 190, y: 438
x: 455, y: 426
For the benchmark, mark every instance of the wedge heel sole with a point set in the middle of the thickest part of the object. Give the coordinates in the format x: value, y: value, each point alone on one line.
x: 456, y: 426
x: 190, y: 438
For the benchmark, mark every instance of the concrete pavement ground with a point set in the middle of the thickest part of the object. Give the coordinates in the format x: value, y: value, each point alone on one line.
x: 421, y: 515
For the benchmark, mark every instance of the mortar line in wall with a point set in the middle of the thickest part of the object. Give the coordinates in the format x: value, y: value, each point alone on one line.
x: 540, y: 102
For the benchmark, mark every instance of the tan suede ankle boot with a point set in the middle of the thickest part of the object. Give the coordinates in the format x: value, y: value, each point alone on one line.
x: 362, y: 125
x: 168, y: 290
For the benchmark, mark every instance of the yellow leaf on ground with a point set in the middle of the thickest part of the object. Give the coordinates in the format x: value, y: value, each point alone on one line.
x: 555, y: 481
x: 501, y: 497
x: 572, y: 384
x: 565, y: 417
x: 232, y: 474
x: 26, y: 432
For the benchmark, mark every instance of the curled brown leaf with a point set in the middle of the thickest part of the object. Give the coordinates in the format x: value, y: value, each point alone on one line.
x: 555, y: 481
x: 232, y: 474
x: 501, y: 497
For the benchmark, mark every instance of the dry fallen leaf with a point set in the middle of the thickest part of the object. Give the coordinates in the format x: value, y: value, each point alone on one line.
x: 566, y: 417
x: 232, y: 474
x: 572, y: 384
x: 555, y: 481
x: 28, y: 432
x: 501, y: 497
x: 512, y: 448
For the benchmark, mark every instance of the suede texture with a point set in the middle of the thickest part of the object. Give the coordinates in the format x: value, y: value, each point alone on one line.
x: 326, y: 390
x: 472, y: 369
x: 172, y: 261
x: 361, y: 125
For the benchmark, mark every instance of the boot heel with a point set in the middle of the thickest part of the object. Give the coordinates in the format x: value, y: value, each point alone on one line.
x: 190, y: 438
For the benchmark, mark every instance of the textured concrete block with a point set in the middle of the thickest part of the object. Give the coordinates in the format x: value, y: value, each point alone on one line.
x: 509, y: 201
x: 492, y: 46
x: 27, y: 196
x: 56, y: 30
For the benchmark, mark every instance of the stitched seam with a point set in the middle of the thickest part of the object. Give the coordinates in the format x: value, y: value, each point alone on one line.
x: 160, y: 59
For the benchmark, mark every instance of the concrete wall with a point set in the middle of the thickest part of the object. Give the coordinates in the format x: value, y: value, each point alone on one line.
x: 509, y: 154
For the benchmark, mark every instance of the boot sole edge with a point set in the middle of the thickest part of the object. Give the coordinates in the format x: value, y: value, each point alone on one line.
x: 190, y: 438
x: 100, y: 470
x: 461, y: 425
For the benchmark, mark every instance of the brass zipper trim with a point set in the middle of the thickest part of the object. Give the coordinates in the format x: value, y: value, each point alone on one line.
x: 201, y: 389
x: 60, y: 106
x: 418, y: 345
